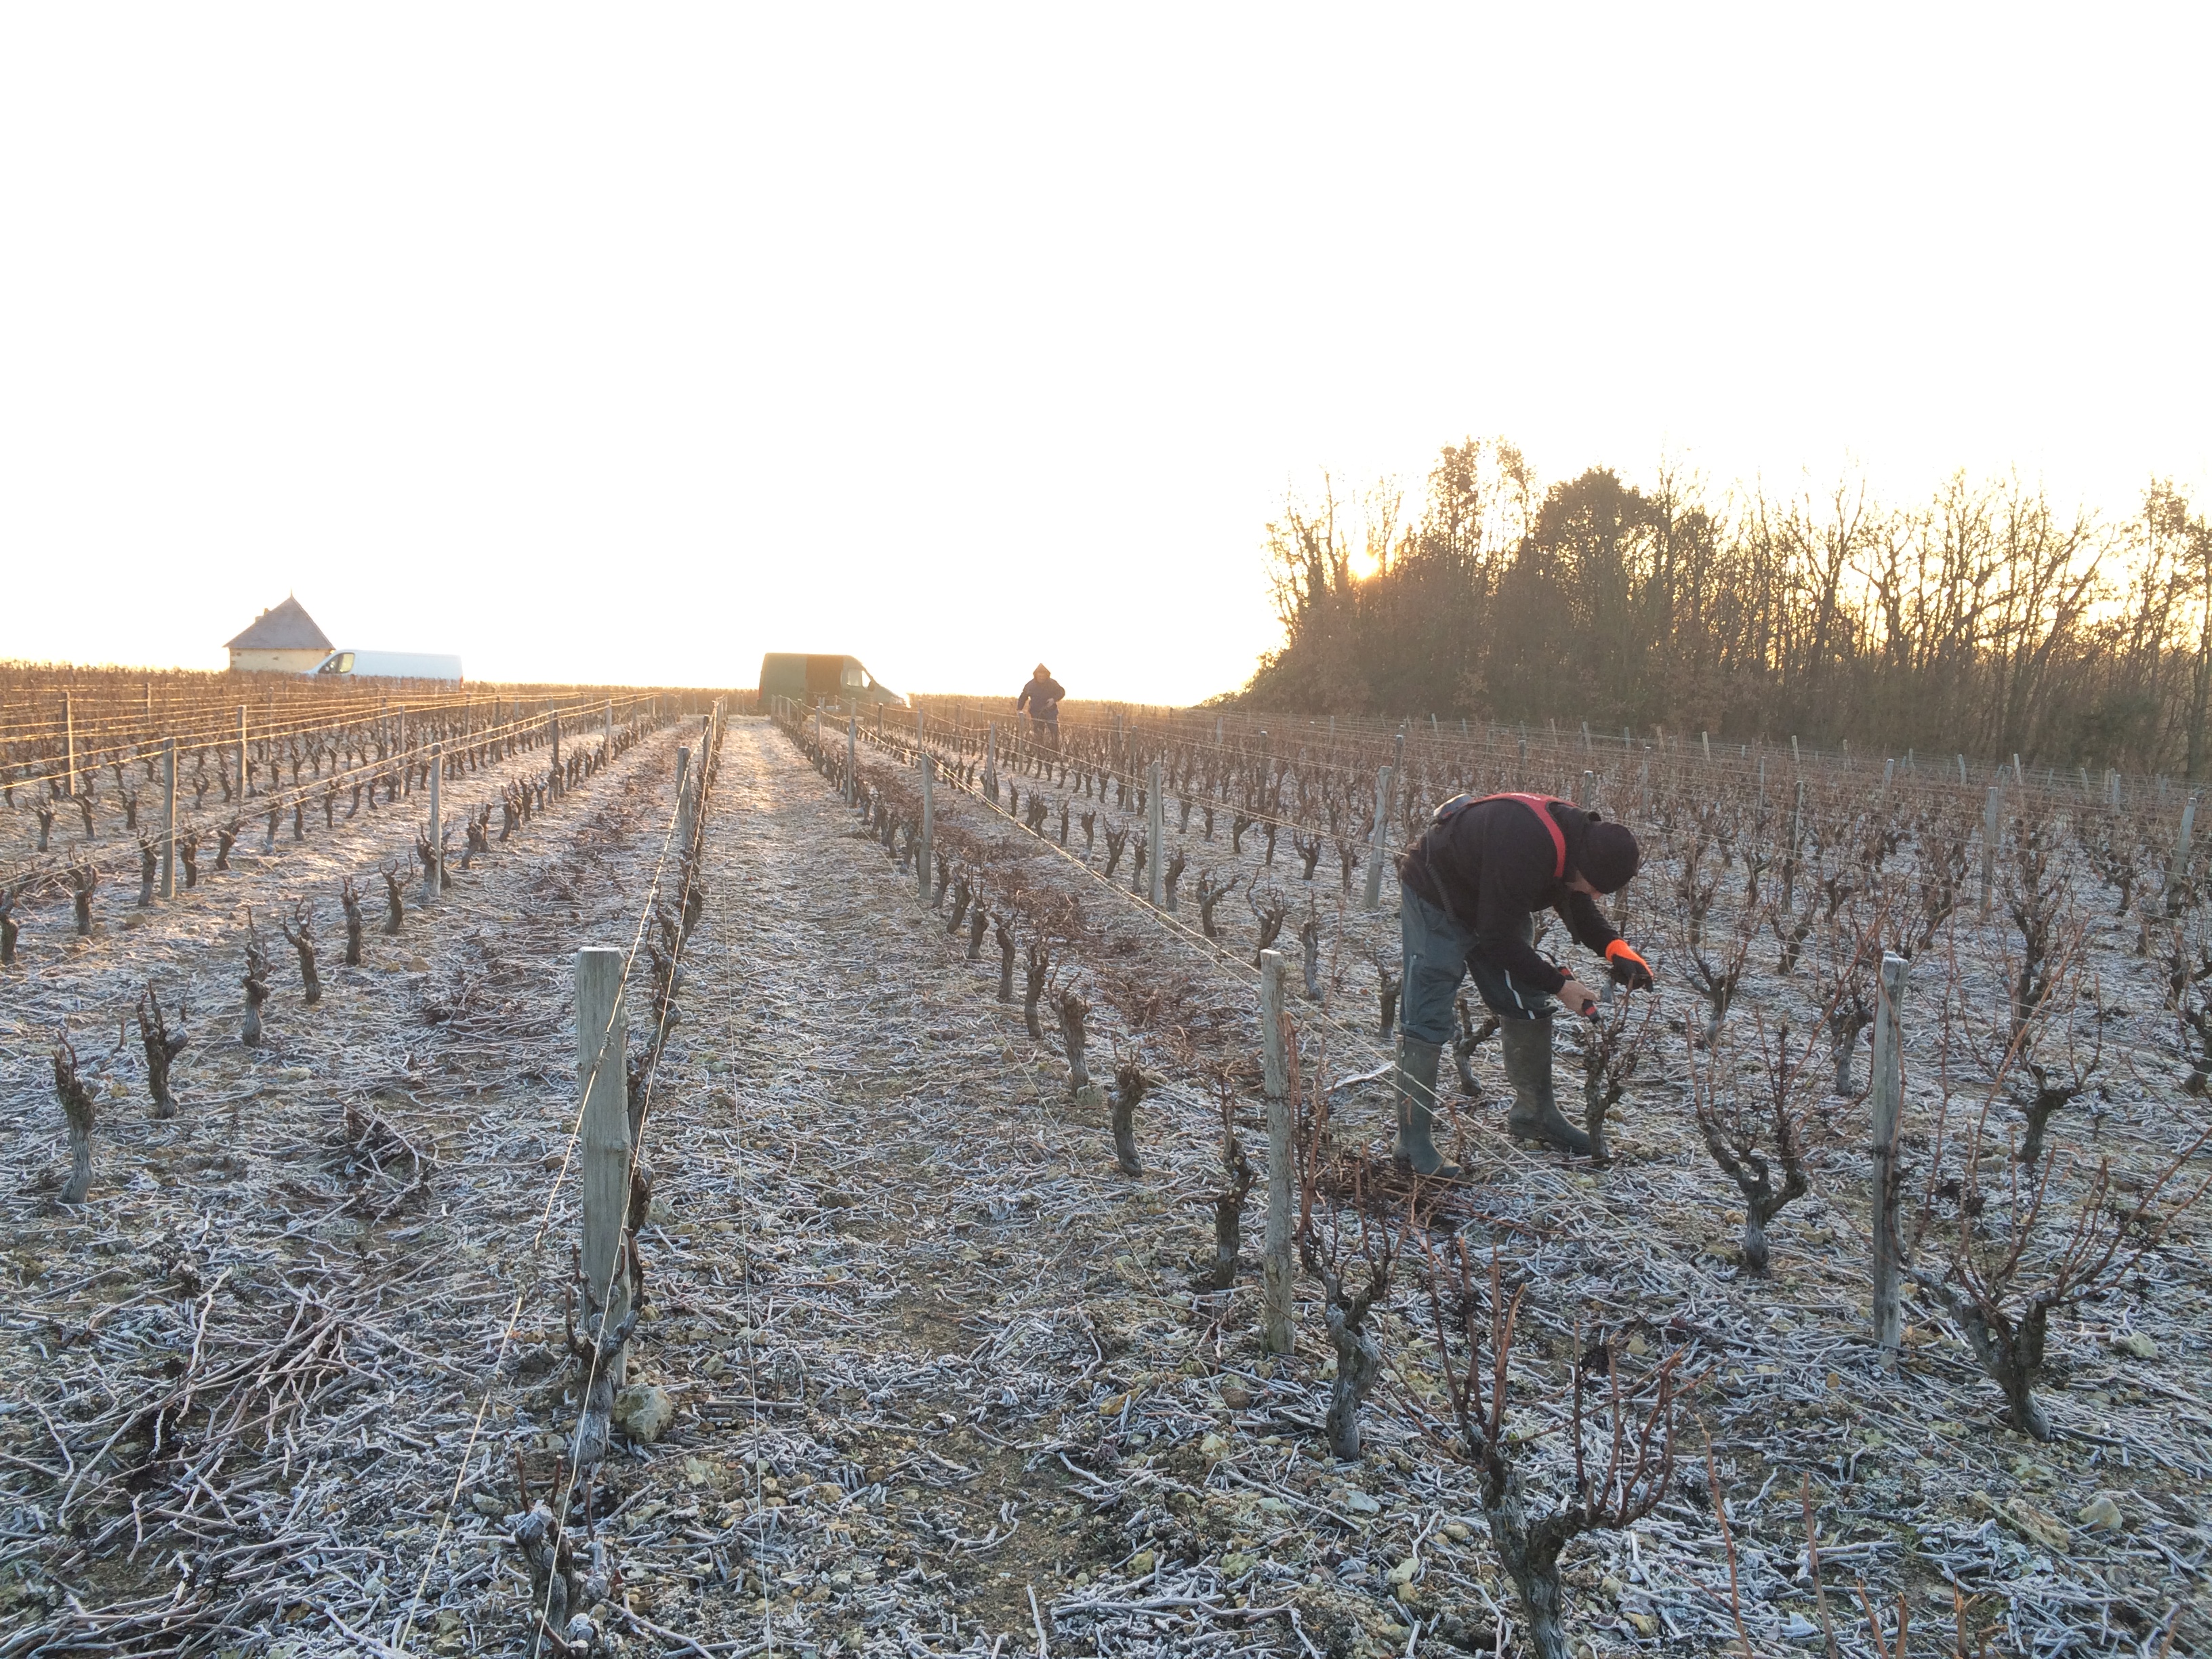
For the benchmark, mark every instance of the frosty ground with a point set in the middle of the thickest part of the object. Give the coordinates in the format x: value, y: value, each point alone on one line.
x: 921, y: 1371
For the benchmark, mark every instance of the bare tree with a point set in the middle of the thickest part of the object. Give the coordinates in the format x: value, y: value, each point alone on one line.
x: 82, y: 880
x: 350, y: 896
x: 256, y: 985
x: 560, y: 1589
x: 2038, y: 885
x: 1717, y: 971
x: 150, y: 869
x: 2054, y: 1082
x: 1996, y: 1268
x: 1212, y: 890
x: 1471, y: 1037
x: 298, y: 933
x: 1748, y: 1137
x: 1005, y: 937
x: 77, y: 1098
x: 1236, y: 1184
x: 1611, y: 1048
x: 1350, y: 1305
x: 1177, y: 861
x: 1271, y: 911
x: 163, y: 1047
x: 1638, y: 1446
x: 1132, y: 1082
x: 2002, y: 1291
x: 1387, y: 986
x: 1036, y: 967
x: 395, y: 900
x: 1072, y: 1011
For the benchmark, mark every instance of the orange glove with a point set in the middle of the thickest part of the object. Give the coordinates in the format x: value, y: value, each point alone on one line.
x: 1628, y: 968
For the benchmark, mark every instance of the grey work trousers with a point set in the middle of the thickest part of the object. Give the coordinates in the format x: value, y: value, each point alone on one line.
x: 1437, y: 961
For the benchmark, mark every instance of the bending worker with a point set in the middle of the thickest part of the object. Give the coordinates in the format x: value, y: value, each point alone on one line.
x: 1470, y: 884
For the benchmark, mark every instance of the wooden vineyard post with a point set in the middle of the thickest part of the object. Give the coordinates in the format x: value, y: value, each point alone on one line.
x: 991, y: 765
x: 1155, y: 833
x: 1990, y: 847
x: 2176, y: 881
x: 1796, y: 839
x: 434, y: 866
x: 602, y: 1070
x: 169, y: 816
x: 553, y: 737
x: 1887, y: 1084
x: 1373, y: 900
x: 69, y: 740
x: 242, y: 790
x: 611, y: 728
x: 852, y: 746
x: 928, y: 826
x: 682, y: 802
x: 1278, y: 1334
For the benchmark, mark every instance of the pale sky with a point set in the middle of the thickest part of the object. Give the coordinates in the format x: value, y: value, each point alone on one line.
x: 625, y: 344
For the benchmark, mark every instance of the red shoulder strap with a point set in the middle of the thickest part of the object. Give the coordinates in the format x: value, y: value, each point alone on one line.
x: 1539, y: 806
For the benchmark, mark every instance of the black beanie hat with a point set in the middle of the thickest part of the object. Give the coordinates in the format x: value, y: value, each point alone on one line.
x: 1610, y: 856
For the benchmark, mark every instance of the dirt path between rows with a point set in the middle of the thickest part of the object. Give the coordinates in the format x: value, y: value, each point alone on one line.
x: 921, y: 1219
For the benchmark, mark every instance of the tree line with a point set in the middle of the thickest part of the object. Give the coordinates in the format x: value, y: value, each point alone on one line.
x: 1983, y: 620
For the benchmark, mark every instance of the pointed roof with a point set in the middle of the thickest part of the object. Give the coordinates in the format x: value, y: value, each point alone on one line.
x: 287, y: 627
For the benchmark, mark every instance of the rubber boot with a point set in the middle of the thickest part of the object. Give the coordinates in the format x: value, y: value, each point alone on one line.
x: 1415, y: 1083
x: 1536, y: 1116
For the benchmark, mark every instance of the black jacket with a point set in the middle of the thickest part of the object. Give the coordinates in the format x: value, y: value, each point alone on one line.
x: 1489, y: 868
x: 1043, y: 698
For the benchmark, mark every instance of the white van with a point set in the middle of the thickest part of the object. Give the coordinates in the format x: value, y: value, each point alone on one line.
x: 389, y: 665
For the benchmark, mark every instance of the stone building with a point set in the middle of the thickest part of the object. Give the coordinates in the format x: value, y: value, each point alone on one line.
x: 282, y: 640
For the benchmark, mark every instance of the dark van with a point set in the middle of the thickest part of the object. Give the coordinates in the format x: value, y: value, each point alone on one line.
x: 810, y: 677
